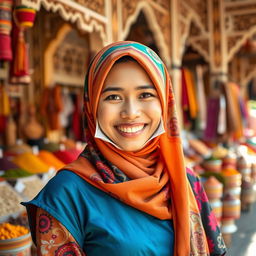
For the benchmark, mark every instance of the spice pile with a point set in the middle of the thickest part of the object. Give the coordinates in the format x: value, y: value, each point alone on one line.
x: 9, y: 231
x: 9, y: 200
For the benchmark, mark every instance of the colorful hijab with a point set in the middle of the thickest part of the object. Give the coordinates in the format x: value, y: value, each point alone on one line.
x: 153, y: 179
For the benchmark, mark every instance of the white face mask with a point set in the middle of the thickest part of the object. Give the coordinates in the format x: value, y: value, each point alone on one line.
x: 100, y: 135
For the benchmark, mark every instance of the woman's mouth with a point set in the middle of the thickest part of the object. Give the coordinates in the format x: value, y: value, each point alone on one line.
x: 130, y: 130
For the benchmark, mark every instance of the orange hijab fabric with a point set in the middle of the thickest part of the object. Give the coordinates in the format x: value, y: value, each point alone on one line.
x: 153, y: 179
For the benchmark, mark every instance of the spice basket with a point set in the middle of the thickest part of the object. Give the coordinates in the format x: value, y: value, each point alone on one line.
x: 20, y: 246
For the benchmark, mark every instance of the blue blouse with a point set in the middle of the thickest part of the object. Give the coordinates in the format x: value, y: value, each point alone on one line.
x: 101, y: 224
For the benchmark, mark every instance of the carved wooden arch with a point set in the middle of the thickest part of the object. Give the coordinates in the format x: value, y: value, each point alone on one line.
x: 199, y: 42
x: 238, y: 44
x: 153, y: 25
x: 49, y: 52
x: 86, y: 19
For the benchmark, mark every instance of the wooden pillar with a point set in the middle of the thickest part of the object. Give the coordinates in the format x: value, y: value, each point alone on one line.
x: 176, y: 57
x: 218, y: 43
x: 114, y: 26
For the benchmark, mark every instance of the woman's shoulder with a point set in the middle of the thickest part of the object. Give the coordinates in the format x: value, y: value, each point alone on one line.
x: 64, y: 178
x: 64, y: 184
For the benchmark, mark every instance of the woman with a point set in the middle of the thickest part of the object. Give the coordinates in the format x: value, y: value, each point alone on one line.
x: 128, y: 193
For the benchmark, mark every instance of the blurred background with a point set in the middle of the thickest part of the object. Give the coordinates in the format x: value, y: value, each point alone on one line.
x: 209, y: 48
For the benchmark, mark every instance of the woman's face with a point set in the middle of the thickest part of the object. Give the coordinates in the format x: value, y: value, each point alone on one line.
x: 129, y: 110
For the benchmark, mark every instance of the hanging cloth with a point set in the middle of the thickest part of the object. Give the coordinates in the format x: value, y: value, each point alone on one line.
x: 235, y: 92
x: 213, y: 108
x: 201, y: 97
x: 222, y: 123
x: 190, y: 83
x: 5, y: 29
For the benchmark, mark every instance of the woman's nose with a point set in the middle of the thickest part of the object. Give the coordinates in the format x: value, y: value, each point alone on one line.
x: 131, y: 110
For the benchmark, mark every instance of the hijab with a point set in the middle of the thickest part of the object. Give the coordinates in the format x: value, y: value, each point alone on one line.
x: 152, y: 179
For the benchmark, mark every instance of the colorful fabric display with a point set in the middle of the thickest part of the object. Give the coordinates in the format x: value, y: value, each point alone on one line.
x: 213, y: 108
x: 5, y: 29
x: 31, y: 163
x: 50, y: 159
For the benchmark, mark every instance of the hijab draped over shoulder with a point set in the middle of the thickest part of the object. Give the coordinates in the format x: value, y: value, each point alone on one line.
x: 152, y: 179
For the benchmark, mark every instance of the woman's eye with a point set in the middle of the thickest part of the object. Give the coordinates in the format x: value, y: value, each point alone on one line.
x: 146, y: 95
x: 113, y: 97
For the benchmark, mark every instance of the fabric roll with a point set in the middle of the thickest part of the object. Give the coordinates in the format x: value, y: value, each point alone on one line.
x: 5, y: 29
x: 235, y: 91
x: 231, y: 110
x: 201, y: 97
x: 213, y: 108
x: 222, y: 124
x: 193, y: 108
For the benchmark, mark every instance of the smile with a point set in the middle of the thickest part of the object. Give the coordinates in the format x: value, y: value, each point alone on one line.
x: 132, y: 130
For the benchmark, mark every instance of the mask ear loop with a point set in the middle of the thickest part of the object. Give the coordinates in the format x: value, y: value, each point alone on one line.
x: 99, y: 134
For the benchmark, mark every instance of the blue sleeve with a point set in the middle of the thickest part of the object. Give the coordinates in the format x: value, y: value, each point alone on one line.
x: 60, y: 198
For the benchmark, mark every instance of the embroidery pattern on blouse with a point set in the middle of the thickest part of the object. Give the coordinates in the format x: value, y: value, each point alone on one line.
x: 53, y: 238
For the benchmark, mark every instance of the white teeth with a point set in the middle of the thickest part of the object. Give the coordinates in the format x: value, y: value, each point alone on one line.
x: 130, y: 129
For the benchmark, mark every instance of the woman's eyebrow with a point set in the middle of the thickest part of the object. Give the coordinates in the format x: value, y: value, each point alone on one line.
x: 112, y: 89
x: 142, y: 87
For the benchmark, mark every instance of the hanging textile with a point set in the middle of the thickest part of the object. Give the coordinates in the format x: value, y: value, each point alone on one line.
x: 201, y: 97
x: 230, y: 113
x: 24, y: 18
x: 4, y: 109
x: 190, y: 83
x: 50, y: 107
x: 235, y: 91
x: 184, y: 98
x: 213, y: 108
x: 77, y: 126
x: 222, y: 125
x: 5, y: 29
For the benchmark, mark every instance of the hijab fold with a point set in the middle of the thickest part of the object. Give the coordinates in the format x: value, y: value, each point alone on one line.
x: 153, y: 179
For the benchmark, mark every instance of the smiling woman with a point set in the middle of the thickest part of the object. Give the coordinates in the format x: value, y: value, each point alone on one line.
x: 129, y: 110
x: 129, y: 192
